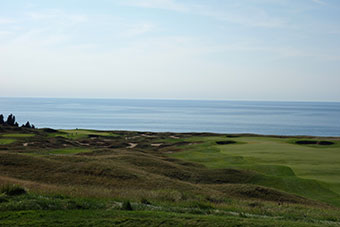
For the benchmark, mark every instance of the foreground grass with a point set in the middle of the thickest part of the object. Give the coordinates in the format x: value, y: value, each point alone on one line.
x: 43, y: 210
x: 135, y: 218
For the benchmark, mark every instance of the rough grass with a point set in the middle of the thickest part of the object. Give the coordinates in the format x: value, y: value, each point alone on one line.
x: 12, y: 190
x: 18, y: 135
x: 81, y: 133
x: 137, y: 218
x: 67, y: 151
x: 46, y: 210
x: 6, y: 141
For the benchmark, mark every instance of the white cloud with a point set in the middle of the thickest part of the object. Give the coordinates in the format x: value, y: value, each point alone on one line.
x: 319, y: 2
x: 58, y: 16
x: 5, y: 33
x: 6, y: 21
x: 247, y: 16
x: 157, y: 4
x: 139, y: 29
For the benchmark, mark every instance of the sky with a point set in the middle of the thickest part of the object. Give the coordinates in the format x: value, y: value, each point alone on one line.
x: 285, y: 50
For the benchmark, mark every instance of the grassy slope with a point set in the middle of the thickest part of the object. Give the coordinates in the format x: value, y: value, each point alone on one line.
x: 105, y: 167
x: 279, y: 160
x: 135, y: 218
x: 38, y: 210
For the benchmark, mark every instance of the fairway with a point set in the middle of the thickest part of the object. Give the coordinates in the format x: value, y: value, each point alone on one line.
x: 270, y: 156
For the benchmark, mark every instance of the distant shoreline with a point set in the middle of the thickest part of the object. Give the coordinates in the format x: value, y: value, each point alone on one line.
x: 200, y: 133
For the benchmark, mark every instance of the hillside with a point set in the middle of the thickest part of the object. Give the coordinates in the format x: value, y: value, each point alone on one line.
x: 86, y: 176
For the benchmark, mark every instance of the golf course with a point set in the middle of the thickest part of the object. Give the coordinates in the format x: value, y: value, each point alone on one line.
x: 81, y: 177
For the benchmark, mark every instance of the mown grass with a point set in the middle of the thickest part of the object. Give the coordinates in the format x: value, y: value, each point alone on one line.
x: 279, y: 159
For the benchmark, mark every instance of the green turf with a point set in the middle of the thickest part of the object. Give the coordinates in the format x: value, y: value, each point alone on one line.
x: 6, y: 141
x: 278, y: 159
x: 18, y: 135
x: 136, y: 218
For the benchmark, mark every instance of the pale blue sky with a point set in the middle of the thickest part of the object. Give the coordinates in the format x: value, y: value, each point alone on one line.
x: 188, y: 49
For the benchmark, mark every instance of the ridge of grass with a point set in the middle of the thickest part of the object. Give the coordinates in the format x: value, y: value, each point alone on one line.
x: 18, y: 135
x: 6, y: 141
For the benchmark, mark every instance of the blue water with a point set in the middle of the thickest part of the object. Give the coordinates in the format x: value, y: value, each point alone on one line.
x: 280, y: 118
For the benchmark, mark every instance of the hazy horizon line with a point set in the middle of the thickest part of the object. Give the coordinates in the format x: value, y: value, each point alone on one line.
x: 174, y: 99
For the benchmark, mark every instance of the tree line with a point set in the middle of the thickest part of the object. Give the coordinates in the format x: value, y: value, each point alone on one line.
x: 11, y: 122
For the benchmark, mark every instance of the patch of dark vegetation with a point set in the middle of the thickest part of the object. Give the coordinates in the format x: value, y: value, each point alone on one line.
x: 126, y: 205
x: 260, y: 193
x: 232, y: 136
x: 177, y: 144
x: 326, y: 143
x: 50, y: 130
x: 314, y: 142
x: 306, y: 142
x: 201, y: 205
x: 225, y: 142
x: 12, y: 190
x: 145, y: 201
x: 118, y: 145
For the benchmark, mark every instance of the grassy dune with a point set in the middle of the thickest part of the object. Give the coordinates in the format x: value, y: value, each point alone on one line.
x: 86, y: 176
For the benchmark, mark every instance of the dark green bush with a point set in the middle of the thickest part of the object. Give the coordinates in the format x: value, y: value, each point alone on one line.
x: 12, y: 190
x: 145, y: 201
x: 126, y: 205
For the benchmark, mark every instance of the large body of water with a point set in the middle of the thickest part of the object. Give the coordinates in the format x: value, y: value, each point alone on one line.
x: 280, y: 118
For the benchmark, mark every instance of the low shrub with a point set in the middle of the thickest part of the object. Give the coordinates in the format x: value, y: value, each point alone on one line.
x: 126, y: 205
x: 12, y: 190
x: 145, y: 201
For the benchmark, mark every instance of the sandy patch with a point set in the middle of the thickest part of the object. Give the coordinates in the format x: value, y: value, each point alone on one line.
x: 146, y: 135
x: 132, y: 145
x: 156, y: 144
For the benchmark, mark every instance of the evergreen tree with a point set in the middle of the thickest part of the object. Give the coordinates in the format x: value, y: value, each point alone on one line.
x: 10, y: 120
x: 27, y: 125
x: 2, y: 119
